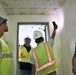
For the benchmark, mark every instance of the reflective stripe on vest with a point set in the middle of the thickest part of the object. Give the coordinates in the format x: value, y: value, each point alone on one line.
x: 48, y: 51
x: 6, y: 55
x: 24, y: 56
x: 50, y: 62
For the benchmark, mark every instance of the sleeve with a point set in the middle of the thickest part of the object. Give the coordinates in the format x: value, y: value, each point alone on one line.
x: 31, y: 60
x: 51, y: 42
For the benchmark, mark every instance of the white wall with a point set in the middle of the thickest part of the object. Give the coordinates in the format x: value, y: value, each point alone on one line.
x: 2, y: 12
x: 12, y: 38
x: 68, y: 35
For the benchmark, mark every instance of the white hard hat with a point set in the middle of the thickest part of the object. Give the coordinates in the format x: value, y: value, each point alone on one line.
x: 37, y: 34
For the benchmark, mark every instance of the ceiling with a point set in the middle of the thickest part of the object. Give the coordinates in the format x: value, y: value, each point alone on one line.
x: 32, y: 7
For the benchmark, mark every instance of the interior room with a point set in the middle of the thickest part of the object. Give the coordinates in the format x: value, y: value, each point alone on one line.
x: 63, y: 12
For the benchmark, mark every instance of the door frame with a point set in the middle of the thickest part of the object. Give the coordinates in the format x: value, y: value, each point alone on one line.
x: 30, y: 23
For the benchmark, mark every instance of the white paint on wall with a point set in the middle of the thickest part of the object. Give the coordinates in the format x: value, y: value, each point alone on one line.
x: 2, y: 12
x: 59, y: 19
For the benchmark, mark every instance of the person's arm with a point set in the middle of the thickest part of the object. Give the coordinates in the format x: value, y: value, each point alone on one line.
x: 33, y: 69
x: 51, y: 40
x: 54, y: 31
x: 33, y: 64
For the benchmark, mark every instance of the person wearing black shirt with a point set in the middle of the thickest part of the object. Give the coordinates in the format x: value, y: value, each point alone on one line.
x: 25, y: 68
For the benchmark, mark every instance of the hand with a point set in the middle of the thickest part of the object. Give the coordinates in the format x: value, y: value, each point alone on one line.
x: 55, y: 26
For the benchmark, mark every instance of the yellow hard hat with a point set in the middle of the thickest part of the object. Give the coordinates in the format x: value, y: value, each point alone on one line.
x: 37, y: 34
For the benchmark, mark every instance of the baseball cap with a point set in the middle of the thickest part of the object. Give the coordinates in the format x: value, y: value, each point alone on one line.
x: 2, y: 20
x: 28, y: 38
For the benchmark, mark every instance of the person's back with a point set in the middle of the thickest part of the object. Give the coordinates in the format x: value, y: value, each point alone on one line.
x: 43, y: 56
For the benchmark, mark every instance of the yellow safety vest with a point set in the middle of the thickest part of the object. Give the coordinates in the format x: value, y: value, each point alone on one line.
x: 5, y: 56
x: 24, y: 55
x: 44, y: 59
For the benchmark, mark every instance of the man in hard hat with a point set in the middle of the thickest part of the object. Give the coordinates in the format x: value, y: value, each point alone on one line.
x: 43, y: 56
x: 5, y: 54
x: 25, y: 58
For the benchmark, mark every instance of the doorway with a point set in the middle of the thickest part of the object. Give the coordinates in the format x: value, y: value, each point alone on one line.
x: 26, y: 29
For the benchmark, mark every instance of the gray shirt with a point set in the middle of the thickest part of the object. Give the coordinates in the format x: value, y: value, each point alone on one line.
x: 51, y: 42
